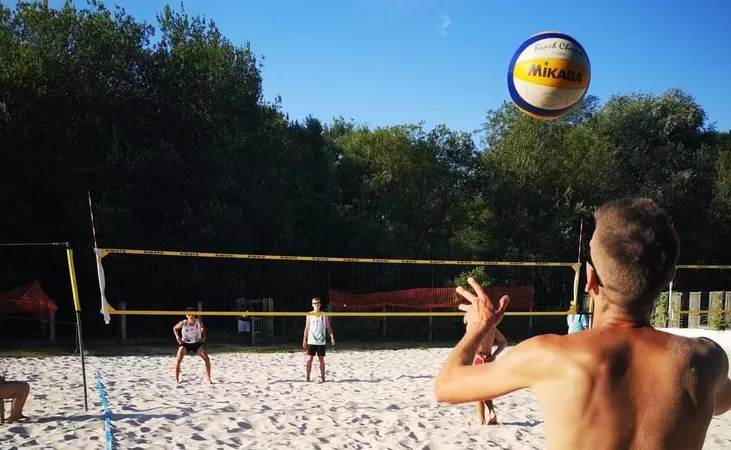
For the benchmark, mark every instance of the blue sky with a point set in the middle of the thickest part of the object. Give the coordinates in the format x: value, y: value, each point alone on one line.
x: 385, y: 62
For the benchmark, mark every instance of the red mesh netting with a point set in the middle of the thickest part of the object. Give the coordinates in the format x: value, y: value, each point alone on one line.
x: 29, y: 298
x: 521, y: 298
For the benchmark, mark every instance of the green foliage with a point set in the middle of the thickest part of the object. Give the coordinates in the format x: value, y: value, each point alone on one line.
x: 716, y: 320
x: 478, y: 273
x: 659, y: 317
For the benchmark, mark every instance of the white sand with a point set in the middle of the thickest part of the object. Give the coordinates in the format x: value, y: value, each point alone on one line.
x: 378, y: 399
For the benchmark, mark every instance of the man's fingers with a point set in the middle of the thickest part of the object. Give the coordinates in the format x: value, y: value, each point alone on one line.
x: 504, y: 300
x: 466, y: 294
x: 463, y: 307
x: 476, y: 286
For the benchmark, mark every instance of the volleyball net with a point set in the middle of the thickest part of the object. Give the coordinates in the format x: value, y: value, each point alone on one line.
x: 273, y: 292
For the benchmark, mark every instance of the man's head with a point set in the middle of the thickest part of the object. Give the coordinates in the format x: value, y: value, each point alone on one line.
x: 190, y: 312
x: 316, y: 303
x: 632, y: 254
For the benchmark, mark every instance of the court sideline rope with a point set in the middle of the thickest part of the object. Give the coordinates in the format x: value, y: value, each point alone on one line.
x: 107, y: 412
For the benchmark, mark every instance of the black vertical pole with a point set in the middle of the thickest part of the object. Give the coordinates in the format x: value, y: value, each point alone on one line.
x: 77, y: 307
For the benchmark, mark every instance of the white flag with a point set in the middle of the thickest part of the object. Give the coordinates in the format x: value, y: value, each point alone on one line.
x: 102, y: 285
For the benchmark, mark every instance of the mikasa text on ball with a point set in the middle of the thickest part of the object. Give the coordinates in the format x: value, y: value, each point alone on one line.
x: 548, y: 75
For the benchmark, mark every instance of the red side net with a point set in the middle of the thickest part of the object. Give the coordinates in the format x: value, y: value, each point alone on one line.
x: 29, y: 298
x: 521, y: 298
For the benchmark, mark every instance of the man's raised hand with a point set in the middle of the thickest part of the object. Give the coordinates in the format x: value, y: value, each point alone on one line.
x: 482, y: 312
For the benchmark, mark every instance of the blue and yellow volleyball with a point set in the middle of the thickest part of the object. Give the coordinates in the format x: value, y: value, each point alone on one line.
x: 549, y: 74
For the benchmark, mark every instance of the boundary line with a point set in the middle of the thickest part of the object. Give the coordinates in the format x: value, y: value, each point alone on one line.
x: 107, y: 412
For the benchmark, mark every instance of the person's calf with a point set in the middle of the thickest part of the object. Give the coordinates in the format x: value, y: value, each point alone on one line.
x: 207, y: 362
x: 309, y: 367
x: 322, y: 368
x: 493, y: 415
x: 20, y: 393
x: 480, y: 407
x: 178, y: 360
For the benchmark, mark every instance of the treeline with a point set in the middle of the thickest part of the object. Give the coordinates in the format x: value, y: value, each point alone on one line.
x: 167, y: 126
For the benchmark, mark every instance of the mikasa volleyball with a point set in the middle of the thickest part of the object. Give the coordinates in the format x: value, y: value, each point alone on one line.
x: 548, y: 75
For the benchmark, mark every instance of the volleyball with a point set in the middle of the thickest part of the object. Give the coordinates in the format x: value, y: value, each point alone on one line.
x: 549, y: 74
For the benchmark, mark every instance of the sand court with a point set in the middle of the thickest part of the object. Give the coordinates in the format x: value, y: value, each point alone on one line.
x: 373, y: 399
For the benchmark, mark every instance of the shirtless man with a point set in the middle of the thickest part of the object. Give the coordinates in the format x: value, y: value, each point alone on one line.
x: 191, y: 338
x: 485, y: 355
x: 621, y: 384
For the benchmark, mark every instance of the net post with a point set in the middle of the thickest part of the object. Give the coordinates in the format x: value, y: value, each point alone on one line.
x: 77, y: 309
x: 52, y: 327
x: 123, y: 323
x: 530, y: 320
x: 431, y: 329
x: 577, y: 272
x: 670, y: 305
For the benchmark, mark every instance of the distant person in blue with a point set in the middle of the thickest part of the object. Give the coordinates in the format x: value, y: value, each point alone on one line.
x: 577, y: 322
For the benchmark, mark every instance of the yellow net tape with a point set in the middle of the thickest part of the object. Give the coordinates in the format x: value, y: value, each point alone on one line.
x: 107, y: 251
x: 126, y: 312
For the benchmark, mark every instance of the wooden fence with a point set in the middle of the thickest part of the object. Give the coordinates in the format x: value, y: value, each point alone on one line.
x: 700, y: 310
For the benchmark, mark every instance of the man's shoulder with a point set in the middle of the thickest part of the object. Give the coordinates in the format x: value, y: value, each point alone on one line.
x: 700, y: 354
x: 708, y: 345
x: 694, y: 345
x: 544, y: 346
x: 711, y: 351
x: 549, y: 357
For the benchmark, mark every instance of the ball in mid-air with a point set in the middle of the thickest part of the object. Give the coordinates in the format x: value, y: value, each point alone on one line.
x: 549, y: 74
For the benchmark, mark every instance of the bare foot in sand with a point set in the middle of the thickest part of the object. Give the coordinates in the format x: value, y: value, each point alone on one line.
x: 493, y: 419
x: 20, y: 418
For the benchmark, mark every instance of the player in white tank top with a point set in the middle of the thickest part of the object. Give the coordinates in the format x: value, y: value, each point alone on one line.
x: 191, y: 333
x: 190, y: 340
x: 314, y: 340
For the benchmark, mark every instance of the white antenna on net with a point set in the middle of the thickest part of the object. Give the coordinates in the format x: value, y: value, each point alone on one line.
x: 99, y: 268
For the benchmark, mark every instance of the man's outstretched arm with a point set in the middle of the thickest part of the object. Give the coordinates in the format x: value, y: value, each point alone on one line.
x: 460, y: 382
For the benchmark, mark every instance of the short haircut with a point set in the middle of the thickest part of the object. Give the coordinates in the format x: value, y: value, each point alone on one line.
x: 190, y: 309
x: 637, y: 248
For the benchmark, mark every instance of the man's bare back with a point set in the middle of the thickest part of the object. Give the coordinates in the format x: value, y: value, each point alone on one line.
x: 648, y: 389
